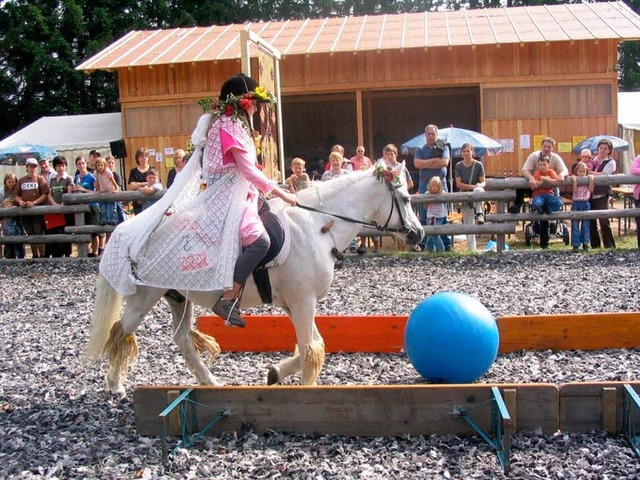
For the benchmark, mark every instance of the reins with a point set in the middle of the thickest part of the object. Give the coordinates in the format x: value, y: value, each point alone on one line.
x: 372, y: 223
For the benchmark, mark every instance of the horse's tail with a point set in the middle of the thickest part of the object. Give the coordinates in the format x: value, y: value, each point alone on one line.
x: 106, y: 312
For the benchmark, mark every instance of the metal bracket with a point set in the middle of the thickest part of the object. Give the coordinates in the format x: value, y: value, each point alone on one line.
x: 500, y: 442
x: 189, y: 430
x: 630, y: 417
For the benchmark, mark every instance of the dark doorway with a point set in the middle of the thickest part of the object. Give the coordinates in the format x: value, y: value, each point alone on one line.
x: 315, y: 123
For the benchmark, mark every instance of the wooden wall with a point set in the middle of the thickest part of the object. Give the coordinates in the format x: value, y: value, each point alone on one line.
x: 159, y: 103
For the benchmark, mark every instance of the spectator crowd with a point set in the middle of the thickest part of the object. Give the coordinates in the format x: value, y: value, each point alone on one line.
x: 545, y: 171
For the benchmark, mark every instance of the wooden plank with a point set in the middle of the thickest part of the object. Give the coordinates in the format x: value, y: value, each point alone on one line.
x: 385, y: 334
x: 354, y: 410
x: 583, y: 407
x: 590, y: 331
x: 174, y: 424
x: 275, y: 333
x: 53, y: 238
x: 510, y: 396
x: 609, y: 409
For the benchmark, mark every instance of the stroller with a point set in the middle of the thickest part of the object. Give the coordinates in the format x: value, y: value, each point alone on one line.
x: 556, y: 227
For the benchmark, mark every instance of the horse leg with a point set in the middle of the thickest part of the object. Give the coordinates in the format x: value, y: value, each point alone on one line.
x: 309, y: 354
x: 122, y: 347
x: 314, y: 355
x: 192, y: 342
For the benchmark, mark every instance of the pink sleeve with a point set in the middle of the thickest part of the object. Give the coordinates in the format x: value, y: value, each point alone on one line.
x: 229, y: 142
x: 246, y: 163
x: 635, y: 168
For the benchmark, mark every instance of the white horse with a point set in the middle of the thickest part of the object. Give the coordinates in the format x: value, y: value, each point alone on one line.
x: 337, y: 211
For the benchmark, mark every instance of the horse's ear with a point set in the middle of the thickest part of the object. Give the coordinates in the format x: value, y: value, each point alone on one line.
x: 399, y: 168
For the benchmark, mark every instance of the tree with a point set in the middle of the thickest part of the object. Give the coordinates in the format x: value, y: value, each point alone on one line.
x: 42, y: 41
x: 629, y: 59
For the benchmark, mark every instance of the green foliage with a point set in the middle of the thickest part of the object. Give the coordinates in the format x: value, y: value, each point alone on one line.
x: 42, y: 41
x: 629, y: 59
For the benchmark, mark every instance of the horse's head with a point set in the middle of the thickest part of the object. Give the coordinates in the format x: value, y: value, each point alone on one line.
x: 400, y: 218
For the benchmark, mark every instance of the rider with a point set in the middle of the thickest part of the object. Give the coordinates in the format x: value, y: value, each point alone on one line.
x: 229, y: 150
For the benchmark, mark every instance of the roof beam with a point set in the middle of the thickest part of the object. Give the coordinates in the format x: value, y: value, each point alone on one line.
x: 295, y: 37
x: 493, y: 29
x: 513, y: 25
x: 384, y: 21
x: 168, y: 49
x: 315, y: 38
x: 135, y: 47
x: 364, y: 22
x: 469, y: 30
x: 335, y: 42
x: 526, y: 9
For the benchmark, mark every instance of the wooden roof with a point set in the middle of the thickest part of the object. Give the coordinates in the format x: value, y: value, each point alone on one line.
x: 545, y: 23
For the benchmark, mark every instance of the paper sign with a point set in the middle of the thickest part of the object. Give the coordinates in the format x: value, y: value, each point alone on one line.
x: 169, y: 162
x: 525, y: 141
x: 158, y: 157
x: 577, y: 139
x: 151, y: 152
x: 564, y: 147
x: 537, y: 140
x: 168, y: 151
x: 507, y: 144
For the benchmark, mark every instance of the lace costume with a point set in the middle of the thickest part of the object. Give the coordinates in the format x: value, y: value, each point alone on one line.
x: 197, y: 245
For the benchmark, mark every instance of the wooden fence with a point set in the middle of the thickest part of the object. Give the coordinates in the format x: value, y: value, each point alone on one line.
x: 499, y: 190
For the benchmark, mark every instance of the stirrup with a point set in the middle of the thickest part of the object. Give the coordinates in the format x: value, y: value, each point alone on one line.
x: 228, y: 310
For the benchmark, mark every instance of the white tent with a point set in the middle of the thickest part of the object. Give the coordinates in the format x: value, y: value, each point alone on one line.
x: 71, y: 135
x: 629, y: 121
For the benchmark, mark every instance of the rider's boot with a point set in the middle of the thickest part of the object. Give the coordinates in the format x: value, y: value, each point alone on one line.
x: 227, y: 309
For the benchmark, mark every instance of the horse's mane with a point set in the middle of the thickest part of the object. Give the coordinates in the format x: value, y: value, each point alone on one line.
x: 328, y: 189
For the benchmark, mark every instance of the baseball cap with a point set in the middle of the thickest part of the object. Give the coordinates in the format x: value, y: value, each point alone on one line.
x: 43, y: 159
x: 31, y: 161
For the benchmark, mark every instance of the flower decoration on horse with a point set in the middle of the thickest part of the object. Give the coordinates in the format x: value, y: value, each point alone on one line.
x: 387, y: 174
x: 232, y: 105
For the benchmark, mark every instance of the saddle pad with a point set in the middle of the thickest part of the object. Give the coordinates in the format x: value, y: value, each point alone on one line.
x: 278, y: 230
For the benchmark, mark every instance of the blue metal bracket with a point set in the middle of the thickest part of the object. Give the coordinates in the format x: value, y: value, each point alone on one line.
x: 630, y: 417
x: 189, y: 429
x: 500, y: 442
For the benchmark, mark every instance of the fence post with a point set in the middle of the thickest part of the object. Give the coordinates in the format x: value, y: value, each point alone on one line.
x: 500, y: 239
x: 82, y: 247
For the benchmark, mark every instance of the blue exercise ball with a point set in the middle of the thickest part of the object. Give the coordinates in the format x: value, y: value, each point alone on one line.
x: 451, y: 338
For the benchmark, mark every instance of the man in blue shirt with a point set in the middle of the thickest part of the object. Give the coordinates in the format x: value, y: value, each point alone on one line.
x: 432, y: 159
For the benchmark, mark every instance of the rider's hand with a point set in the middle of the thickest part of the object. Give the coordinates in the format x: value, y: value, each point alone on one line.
x: 290, y: 198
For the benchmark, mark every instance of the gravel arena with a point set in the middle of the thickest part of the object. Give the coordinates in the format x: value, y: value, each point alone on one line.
x: 58, y: 421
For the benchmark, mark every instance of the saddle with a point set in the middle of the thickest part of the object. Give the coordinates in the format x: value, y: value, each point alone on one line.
x: 277, y: 228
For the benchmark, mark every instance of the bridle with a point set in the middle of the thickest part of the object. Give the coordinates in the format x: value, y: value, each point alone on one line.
x: 395, y: 203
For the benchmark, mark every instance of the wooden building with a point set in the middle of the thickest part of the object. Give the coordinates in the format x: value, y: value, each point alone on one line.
x: 512, y: 73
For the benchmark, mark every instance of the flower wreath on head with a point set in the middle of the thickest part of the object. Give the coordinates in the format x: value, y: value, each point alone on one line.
x: 387, y: 174
x: 234, y: 104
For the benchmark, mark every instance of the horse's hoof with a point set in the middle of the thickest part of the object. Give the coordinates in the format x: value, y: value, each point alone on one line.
x: 272, y: 376
x: 119, y: 396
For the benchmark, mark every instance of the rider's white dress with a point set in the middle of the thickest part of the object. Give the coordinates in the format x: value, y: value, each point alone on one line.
x: 179, y: 242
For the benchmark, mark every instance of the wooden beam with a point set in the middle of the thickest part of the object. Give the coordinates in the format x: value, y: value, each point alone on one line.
x: 583, y: 405
x: 370, y: 411
x: 359, y: 118
x: 37, y: 239
x: 455, y: 197
x: 385, y: 334
x: 568, y: 215
x: 609, y: 409
x: 42, y: 209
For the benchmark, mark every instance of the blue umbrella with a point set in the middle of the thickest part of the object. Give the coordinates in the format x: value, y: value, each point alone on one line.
x: 619, y: 145
x: 455, y: 138
x: 18, y: 154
